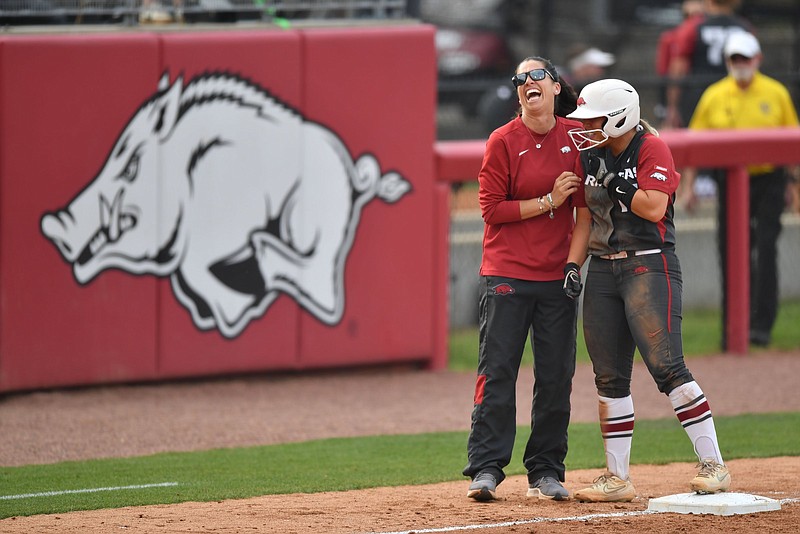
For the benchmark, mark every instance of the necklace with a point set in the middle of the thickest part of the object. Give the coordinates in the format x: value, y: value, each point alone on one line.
x: 538, y: 144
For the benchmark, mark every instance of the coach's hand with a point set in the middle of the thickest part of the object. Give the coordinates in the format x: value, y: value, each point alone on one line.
x: 572, y: 280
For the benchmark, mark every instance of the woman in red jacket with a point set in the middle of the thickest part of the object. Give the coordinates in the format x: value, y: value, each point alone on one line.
x: 525, y: 185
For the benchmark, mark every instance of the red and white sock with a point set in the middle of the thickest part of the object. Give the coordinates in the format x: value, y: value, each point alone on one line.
x: 616, y: 425
x: 694, y: 413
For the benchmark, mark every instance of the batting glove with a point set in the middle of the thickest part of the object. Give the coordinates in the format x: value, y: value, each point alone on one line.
x: 598, y: 170
x: 620, y: 189
x: 572, y: 280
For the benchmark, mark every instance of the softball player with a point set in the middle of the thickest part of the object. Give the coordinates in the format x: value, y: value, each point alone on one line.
x: 624, y: 222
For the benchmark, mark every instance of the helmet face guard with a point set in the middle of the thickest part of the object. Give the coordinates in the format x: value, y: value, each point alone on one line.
x: 616, y: 101
x: 583, y: 140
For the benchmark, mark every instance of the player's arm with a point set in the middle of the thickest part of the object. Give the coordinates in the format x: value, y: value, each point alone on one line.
x: 657, y: 178
x: 577, y: 253
x: 687, y: 199
x: 650, y: 205
x: 678, y: 69
x: 656, y: 181
x: 580, y: 237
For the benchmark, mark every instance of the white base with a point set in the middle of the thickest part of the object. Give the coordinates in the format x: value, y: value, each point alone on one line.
x: 716, y: 504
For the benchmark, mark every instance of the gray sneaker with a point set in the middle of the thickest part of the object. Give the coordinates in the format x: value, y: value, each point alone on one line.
x: 548, y: 488
x: 483, y: 487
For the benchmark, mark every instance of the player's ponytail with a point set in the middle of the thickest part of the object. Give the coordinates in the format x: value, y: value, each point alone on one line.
x: 647, y: 127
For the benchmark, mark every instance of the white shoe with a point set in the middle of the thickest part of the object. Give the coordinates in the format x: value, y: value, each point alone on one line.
x: 607, y: 488
x: 713, y: 477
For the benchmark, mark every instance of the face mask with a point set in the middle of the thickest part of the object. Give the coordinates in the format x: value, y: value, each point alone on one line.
x: 742, y: 74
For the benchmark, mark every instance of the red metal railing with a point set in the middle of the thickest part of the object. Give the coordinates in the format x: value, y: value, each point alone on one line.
x: 460, y: 161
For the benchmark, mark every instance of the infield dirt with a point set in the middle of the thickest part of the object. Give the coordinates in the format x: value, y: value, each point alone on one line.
x: 118, y: 421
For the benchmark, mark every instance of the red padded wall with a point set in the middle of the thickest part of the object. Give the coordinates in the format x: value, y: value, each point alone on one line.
x: 64, y: 99
x: 64, y: 102
x: 272, y: 60
x: 374, y: 87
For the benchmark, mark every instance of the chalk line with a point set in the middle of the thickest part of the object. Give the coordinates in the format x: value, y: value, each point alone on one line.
x: 538, y: 520
x: 86, y: 490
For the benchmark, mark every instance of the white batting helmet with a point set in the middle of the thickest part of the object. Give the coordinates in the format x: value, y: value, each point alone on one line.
x: 615, y: 100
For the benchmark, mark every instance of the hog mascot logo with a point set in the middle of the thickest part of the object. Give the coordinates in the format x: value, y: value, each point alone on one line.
x: 232, y: 195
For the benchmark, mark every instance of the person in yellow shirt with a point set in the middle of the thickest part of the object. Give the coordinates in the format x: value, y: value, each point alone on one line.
x: 746, y: 98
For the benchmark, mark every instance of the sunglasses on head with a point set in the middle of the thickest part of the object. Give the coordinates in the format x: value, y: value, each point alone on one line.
x: 535, y: 74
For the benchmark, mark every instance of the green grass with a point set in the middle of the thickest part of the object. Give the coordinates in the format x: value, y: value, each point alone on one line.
x: 702, y: 333
x: 353, y: 463
x: 350, y: 463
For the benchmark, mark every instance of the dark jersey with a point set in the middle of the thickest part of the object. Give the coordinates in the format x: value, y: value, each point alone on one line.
x: 702, y: 42
x: 647, y: 164
x: 709, y: 41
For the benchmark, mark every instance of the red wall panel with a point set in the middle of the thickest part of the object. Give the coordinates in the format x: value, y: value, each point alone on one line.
x: 94, y: 128
x: 375, y: 88
x: 60, y: 113
x: 270, y: 60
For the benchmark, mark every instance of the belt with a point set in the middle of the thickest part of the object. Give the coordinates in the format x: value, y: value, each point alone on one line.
x: 630, y: 253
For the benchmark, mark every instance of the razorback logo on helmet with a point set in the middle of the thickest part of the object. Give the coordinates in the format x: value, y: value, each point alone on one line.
x: 503, y: 289
x: 581, y: 101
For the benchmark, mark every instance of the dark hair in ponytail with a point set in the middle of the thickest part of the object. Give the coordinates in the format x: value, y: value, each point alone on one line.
x: 567, y: 101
